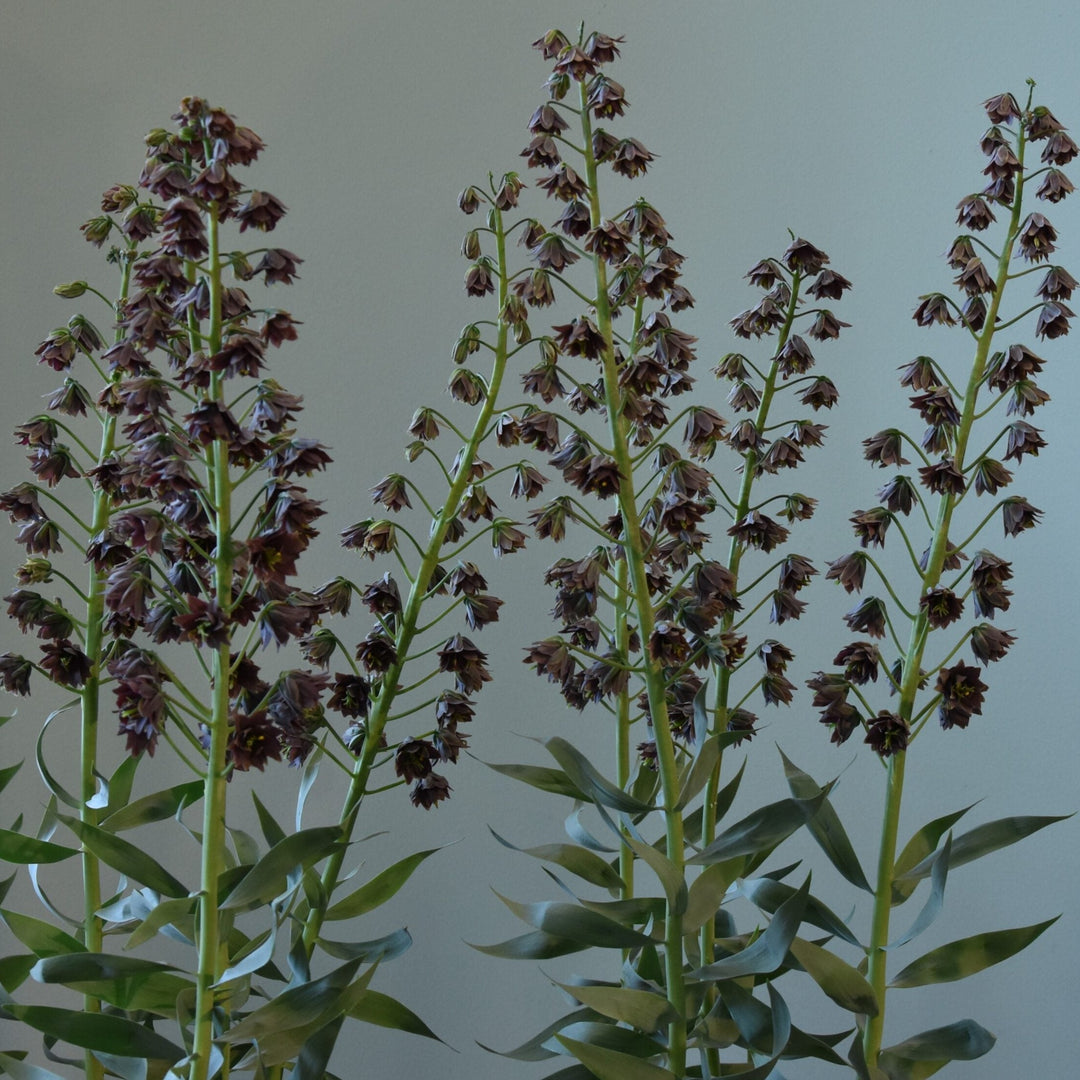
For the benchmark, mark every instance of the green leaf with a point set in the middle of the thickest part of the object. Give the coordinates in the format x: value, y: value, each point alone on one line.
x: 534, y: 946
x: 924, y: 1054
x: 20, y: 1070
x: 917, y: 848
x: 379, y: 889
x: 385, y: 1011
x: 15, y: 970
x: 534, y: 1049
x: 97, y: 1031
x: 613, y: 1065
x: 573, y: 923
x: 697, y: 775
x: 259, y: 951
x: 16, y: 848
x: 586, y: 864
x: 826, y: 827
x: 962, y: 958
x: 315, y: 1054
x: 384, y: 948
x: 554, y: 781
x: 671, y: 877
x: 586, y: 777
x: 121, y: 783
x: 269, y: 876
x: 767, y: 953
x: 768, y: 895
x: 167, y: 913
x: 760, y: 831
x: 840, y: 981
x: 932, y: 908
x: 641, y: 1009
x: 41, y: 938
x: 6, y: 775
x: 126, y: 982
x: 706, y: 893
x: 157, y: 806
x: 609, y: 1036
x: 272, y: 832
x: 576, y: 831
x: 125, y: 857
x: 726, y: 796
x: 984, y: 839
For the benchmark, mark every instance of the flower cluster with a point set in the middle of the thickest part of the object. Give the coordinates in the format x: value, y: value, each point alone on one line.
x: 190, y: 418
x: 950, y: 470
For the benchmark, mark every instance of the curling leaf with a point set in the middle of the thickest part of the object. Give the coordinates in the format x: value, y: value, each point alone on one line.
x: 924, y: 1054
x: 534, y: 946
x: 922, y: 844
x: 761, y: 831
x: 840, y: 981
x: 586, y: 864
x: 641, y: 1009
x: 932, y: 908
x: 385, y: 1011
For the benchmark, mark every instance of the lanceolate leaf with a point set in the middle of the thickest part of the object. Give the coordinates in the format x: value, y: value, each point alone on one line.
x: 51, y: 782
x: 125, y: 857
x: 700, y: 769
x: 840, y: 981
x: 587, y: 778
x: 924, y: 1054
x: 706, y: 893
x: 612, y: 1065
x: 126, y: 982
x: 568, y: 921
x: 961, y: 958
x: 760, y: 831
x: 534, y: 1049
x: 154, y: 807
x: 272, y: 832
x: 253, y: 959
x: 826, y: 827
x: 984, y: 839
x: 41, y: 938
x: 554, y: 781
x: 534, y: 946
x: 586, y: 864
x: 384, y: 948
x: 610, y: 1037
x: 917, y: 848
x: 173, y: 918
x: 727, y: 793
x: 16, y: 848
x: 932, y: 907
x: 641, y: 1009
x: 768, y: 895
x: 269, y: 876
x: 767, y: 953
x: 379, y: 889
x: 385, y: 1011
x: 6, y: 775
x: 97, y: 1031
x: 671, y: 877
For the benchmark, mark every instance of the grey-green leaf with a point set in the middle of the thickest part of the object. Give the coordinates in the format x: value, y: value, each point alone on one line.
x: 924, y: 1054
x: 587, y: 778
x: 760, y: 831
x: 840, y: 981
x: 379, y: 889
x: 962, y: 958
x: 533, y: 946
x: 385, y: 1011
x: 97, y: 1031
x: 825, y: 826
x: 573, y: 923
x: 21, y: 1070
x: 586, y: 864
x: 641, y: 1009
x: 269, y: 876
x: 917, y: 848
x: 16, y: 848
x: 554, y: 781
x: 613, y: 1065
x: 156, y: 806
x: 125, y: 857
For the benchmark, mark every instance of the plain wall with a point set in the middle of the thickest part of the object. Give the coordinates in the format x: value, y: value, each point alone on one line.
x: 856, y: 124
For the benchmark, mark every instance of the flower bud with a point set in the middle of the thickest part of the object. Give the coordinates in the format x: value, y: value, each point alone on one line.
x: 72, y: 290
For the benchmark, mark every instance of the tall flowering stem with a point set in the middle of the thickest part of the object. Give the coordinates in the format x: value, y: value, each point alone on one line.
x: 380, y: 695
x: 954, y: 471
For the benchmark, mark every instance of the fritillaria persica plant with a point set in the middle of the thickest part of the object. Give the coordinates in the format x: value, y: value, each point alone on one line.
x: 168, y: 469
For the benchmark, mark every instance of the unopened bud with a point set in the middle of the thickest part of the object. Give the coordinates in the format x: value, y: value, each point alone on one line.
x: 71, y: 290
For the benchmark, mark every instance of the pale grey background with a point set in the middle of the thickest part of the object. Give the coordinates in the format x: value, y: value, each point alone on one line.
x: 854, y: 123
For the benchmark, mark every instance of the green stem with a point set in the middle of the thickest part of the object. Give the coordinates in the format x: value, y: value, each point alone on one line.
x: 909, y: 687
x: 90, y: 713
x: 642, y: 604
x: 210, y: 942
x: 410, y: 616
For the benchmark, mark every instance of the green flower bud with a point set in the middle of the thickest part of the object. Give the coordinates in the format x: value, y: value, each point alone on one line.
x: 71, y: 290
